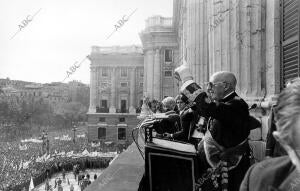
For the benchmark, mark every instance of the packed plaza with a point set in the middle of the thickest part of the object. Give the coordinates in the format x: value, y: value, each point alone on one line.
x: 38, y: 157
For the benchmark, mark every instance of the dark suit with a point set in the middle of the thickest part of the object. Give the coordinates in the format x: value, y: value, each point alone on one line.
x: 274, y: 174
x: 229, y: 126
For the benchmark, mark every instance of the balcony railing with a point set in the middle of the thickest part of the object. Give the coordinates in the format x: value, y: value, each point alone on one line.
x: 158, y: 21
x: 122, y: 111
x: 117, y: 49
x: 102, y: 110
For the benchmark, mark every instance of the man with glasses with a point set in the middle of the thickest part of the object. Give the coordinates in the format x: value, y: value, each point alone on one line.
x: 226, y: 137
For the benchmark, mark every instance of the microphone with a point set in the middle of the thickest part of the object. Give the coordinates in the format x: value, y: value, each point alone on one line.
x: 253, y: 106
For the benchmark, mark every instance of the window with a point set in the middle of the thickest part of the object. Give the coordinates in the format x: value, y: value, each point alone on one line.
x: 123, y: 106
x: 290, y: 65
x: 121, y: 133
x: 123, y: 72
x: 141, y: 103
x: 103, y: 103
x: 104, y: 84
x: 104, y: 72
x: 122, y: 119
x: 168, y: 56
x: 101, y: 133
x: 168, y: 73
x: 124, y: 84
x: 142, y: 73
x: 40, y: 93
x: 141, y: 84
x: 101, y: 119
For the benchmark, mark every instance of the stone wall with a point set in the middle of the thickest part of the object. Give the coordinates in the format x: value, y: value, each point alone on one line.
x: 111, y: 124
x: 241, y: 36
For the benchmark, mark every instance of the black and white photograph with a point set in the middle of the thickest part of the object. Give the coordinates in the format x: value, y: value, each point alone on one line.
x: 149, y: 95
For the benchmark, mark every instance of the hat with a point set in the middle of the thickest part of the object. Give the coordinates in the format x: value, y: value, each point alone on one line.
x: 190, y: 91
x: 183, y: 73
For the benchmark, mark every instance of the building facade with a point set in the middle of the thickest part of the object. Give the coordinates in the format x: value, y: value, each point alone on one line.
x: 257, y: 40
x: 160, y: 58
x: 116, y: 92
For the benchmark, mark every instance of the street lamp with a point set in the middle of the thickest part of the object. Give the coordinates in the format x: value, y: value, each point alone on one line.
x: 74, y: 130
x: 44, y: 139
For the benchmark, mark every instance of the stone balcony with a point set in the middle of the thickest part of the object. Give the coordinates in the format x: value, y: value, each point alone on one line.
x: 116, y: 49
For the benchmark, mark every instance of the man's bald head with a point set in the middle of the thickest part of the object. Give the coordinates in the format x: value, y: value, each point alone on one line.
x: 224, y: 76
x: 222, y: 84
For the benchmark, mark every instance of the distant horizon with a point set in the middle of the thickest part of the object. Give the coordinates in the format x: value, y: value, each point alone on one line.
x: 43, y: 83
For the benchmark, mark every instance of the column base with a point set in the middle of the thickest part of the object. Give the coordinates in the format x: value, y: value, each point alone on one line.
x: 112, y: 110
x: 132, y: 109
x: 92, y: 110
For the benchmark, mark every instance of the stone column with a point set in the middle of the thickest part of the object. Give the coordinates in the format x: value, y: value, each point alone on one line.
x: 132, y: 90
x: 150, y: 74
x: 97, y: 84
x: 156, y: 76
x: 145, y: 74
x: 92, y: 108
x: 112, y: 108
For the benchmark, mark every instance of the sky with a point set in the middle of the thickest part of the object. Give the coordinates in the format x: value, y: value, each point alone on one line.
x: 60, y: 32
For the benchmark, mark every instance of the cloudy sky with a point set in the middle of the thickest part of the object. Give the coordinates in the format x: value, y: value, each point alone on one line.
x: 63, y: 31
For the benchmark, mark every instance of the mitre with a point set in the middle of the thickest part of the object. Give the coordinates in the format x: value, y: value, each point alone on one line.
x: 189, y: 89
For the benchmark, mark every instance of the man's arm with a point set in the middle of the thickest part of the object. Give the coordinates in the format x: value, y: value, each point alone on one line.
x: 226, y: 112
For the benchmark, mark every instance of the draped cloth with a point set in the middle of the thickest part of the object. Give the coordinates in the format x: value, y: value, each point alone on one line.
x: 216, y: 153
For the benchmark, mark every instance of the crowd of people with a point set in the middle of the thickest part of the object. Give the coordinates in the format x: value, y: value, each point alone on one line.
x: 21, y: 160
x: 217, y: 121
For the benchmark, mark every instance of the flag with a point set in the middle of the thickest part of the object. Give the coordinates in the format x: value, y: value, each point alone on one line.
x: 23, y: 147
x: 31, y: 185
x: 21, y: 165
x: 85, y: 152
x: 26, y: 164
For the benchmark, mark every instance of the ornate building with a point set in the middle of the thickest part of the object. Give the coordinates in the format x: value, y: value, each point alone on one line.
x: 116, y: 91
x: 256, y: 39
x: 160, y: 57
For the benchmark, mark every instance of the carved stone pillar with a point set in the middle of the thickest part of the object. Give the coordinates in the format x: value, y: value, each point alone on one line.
x: 132, y: 90
x: 112, y: 108
x: 149, y: 71
x: 92, y: 108
x: 156, y: 75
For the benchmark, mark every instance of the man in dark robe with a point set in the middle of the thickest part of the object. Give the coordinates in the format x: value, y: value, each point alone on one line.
x: 228, y: 128
x: 281, y: 173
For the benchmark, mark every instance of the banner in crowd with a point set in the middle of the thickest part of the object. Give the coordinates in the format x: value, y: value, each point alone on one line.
x: 81, y: 136
x: 95, y: 144
x: 23, y: 147
x: 32, y: 140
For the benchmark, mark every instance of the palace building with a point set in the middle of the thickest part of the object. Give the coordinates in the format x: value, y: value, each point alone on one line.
x: 160, y: 58
x: 116, y: 92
